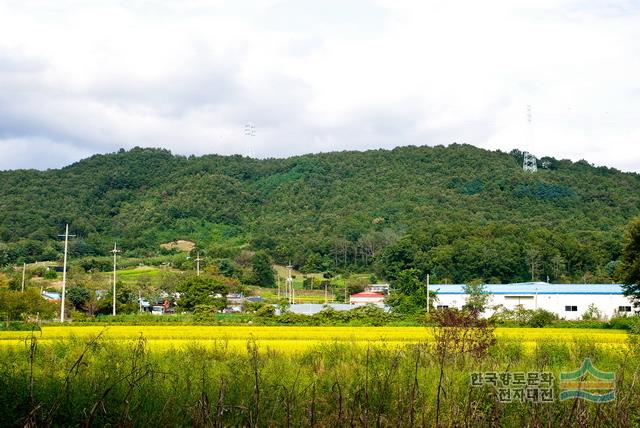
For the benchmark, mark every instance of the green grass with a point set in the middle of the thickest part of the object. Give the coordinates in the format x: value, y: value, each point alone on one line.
x: 134, y: 275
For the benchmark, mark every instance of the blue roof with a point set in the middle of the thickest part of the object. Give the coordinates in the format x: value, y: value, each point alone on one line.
x: 51, y: 295
x: 533, y: 288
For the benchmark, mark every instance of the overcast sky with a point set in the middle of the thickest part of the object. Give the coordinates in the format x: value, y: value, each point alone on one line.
x: 81, y: 77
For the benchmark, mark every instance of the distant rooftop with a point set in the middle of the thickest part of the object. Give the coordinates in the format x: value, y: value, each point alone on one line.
x: 51, y: 295
x: 367, y: 294
x: 314, y: 308
x: 533, y: 288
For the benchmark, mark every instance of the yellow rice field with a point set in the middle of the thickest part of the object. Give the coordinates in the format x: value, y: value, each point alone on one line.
x: 294, y: 339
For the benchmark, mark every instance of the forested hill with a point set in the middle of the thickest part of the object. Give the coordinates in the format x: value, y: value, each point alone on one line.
x: 458, y: 212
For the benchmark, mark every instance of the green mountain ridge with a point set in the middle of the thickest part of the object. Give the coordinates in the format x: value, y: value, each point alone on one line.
x: 457, y: 212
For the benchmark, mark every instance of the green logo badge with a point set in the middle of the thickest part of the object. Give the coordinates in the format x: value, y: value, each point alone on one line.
x: 576, y: 384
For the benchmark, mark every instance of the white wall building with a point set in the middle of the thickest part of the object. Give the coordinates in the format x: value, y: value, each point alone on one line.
x: 568, y: 301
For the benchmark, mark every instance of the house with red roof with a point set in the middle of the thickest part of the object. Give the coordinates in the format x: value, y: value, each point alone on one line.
x: 366, y: 297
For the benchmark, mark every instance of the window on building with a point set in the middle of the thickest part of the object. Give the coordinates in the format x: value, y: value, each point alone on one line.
x: 571, y: 309
x: 442, y: 307
x: 624, y: 308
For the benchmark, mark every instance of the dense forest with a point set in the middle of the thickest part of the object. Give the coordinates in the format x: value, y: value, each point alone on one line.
x: 458, y: 212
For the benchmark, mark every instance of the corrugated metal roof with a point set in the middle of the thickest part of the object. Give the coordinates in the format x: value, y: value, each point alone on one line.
x: 533, y: 288
x: 52, y: 295
x: 314, y: 308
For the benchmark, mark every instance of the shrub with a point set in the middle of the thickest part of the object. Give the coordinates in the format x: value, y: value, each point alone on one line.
x: 624, y: 323
x: 541, y: 318
x: 50, y: 274
x: 524, y: 317
x: 592, y: 313
x: 266, y: 311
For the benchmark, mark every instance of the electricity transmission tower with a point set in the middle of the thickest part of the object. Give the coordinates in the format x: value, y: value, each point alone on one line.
x: 115, y: 252
x: 250, y: 132
x: 529, y: 162
x: 64, y: 271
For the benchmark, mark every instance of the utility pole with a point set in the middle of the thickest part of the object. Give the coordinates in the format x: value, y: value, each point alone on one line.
x: 278, y: 282
x: 115, y: 252
x: 198, y: 260
x: 428, y: 297
x: 64, y: 271
x: 326, y: 295
x: 290, y: 285
x: 24, y: 271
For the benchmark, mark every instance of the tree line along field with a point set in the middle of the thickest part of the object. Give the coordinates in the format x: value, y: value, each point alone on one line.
x: 298, y: 376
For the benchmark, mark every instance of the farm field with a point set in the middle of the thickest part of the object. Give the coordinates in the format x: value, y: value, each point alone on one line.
x: 291, y: 339
x: 298, y: 376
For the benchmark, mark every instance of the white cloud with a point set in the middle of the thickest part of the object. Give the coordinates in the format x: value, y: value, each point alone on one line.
x: 83, y: 77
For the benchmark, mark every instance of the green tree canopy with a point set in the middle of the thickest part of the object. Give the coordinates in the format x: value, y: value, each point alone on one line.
x: 409, y: 294
x: 262, y: 272
x: 630, y: 266
x: 204, y: 290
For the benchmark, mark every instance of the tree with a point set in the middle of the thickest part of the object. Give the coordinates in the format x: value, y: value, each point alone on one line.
x: 630, y: 267
x: 126, y: 300
x: 78, y: 295
x: 262, y: 272
x: 203, y: 290
x: 19, y: 306
x: 409, y: 294
x: 477, y: 299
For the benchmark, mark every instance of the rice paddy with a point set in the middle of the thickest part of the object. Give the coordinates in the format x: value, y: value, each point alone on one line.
x: 293, y: 339
x: 296, y: 376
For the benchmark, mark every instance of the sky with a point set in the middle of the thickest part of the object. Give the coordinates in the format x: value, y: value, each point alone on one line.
x: 82, y: 77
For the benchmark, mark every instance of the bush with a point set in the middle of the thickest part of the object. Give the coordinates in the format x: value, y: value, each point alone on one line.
x: 624, y: 323
x: 50, y: 274
x: 541, y: 318
x: 22, y: 306
x: 524, y: 317
x: 266, y: 311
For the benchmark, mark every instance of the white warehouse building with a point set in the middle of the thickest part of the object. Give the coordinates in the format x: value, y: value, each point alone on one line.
x: 568, y: 301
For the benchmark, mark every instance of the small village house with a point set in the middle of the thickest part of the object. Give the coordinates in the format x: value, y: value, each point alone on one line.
x: 366, y: 297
